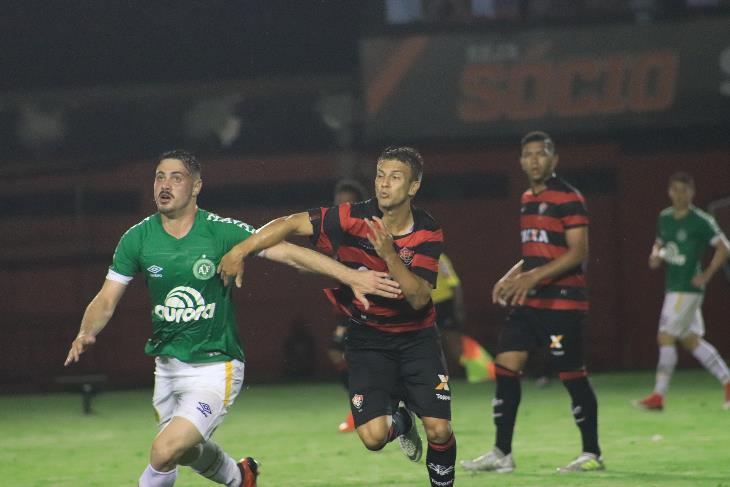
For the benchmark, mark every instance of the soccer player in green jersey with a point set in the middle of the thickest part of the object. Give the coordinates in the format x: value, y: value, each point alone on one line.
x: 683, y: 234
x: 199, y: 366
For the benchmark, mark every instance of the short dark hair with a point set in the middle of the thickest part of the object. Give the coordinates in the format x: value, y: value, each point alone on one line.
x: 539, y: 136
x: 406, y: 155
x: 682, y: 177
x: 188, y: 159
x: 351, y: 186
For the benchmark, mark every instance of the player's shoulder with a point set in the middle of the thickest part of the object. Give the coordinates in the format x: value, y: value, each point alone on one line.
x: 561, y: 185
x: 667, y: 212
x: 216, y: 221
x: 702, y: 216
x: 362, y: 209
x: 422, y: 220
x: 142, y: 227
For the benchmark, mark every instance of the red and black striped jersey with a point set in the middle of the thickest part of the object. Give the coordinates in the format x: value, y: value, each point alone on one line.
x: 544, y: 219
x: 341, y: 231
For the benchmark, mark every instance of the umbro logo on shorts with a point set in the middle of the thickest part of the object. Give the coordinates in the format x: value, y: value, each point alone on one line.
x: 204, y: 409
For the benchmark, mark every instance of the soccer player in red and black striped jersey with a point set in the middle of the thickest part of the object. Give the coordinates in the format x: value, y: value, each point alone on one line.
x: 392, y: 347
x: 548, y: 295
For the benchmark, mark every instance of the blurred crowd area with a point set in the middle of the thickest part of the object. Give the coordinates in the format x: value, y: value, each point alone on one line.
x: 402, y: 12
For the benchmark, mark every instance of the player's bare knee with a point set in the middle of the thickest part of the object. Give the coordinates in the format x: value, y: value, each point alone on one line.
x: 372, y: 436
x: 165, y: 454
x: 372, y: 442
x: 690, y: 342
x: 438, y: 431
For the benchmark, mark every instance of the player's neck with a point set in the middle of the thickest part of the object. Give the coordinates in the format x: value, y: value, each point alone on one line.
x: 681, y: 212
x: 538, y: 187
x: 399, y: 221
x: 178, y: 225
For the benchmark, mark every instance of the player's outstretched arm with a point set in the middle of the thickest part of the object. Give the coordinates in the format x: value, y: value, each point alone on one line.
x: 361, y: 282
x: 97, y: 315
x: 274, y: 232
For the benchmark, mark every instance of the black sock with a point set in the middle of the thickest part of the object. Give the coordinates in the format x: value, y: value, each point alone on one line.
x: 345, y: 379
x: 441, y: 462
x: 585, y: 408
x: 401, y: 424
x: 506, y: 401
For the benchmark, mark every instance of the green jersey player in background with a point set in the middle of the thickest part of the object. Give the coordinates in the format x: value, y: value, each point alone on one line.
x: 683, y: 234
x: 199, y: 366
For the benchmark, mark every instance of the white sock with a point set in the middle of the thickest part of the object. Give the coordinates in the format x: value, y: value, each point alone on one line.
x: 711, y: 360
x: 216, y: 465
x: 152, y: 478
x: 665, y: 368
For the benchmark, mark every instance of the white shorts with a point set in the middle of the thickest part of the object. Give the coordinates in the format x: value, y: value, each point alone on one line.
x: 200, y: 393
x: 682, y: 314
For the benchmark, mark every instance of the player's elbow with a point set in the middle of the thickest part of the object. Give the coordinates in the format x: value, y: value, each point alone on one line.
x: 419, y: 300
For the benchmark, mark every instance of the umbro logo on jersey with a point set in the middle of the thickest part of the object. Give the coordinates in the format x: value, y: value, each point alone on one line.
x: 155, y: 271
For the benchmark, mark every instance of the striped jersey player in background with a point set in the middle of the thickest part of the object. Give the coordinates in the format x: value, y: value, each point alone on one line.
x: 684, y: 232
x: 393, y: 348
x: 548, y: 295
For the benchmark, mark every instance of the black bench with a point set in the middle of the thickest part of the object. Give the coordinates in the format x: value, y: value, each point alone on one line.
x: 88, y: 385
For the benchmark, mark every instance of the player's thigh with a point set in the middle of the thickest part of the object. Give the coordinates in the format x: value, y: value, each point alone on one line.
x: 564, y: 338
x: 520, y: 331
x: 372, y: 383
x: 164, y: 399
x: 205, y: 392
x: 681, y: 314
x: 424, y: 375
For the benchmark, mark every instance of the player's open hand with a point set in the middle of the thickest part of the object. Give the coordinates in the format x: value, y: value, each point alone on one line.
x: 514, y: 291
x: 80, y: 344
x: 379, y: 236
x: 498, y: 293
x: 230, y: 267
x: 365, y: 281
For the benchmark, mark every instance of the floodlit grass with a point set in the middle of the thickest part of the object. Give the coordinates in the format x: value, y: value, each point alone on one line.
x: 292, y: 429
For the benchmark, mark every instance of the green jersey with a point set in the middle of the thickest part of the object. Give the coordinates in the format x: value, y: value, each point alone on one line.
x: 193, y: 317
x: 683, y: 242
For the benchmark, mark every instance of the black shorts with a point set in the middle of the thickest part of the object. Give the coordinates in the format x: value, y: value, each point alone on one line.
x: 560, y: 332
x: 445, y: 318
x: 385, y: 367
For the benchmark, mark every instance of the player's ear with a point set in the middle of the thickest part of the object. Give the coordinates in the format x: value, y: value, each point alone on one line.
x: 414, y: 187
x: 556, y: 159
x: 197, y: 186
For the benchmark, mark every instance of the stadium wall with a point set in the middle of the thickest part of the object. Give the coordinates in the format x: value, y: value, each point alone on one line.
x: 55, y: 255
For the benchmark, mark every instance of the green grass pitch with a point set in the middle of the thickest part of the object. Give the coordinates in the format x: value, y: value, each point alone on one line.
x: 47, y: 441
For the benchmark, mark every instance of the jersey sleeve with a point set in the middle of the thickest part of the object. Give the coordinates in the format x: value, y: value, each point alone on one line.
x: 327, y: 227
x: 425, y: 262
x: 713, y: 234
x: 573, y: 212
x: 235, y: 232
x: 125, y: 263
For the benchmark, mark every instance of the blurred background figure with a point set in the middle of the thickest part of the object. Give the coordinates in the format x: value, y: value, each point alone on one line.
x: 346, y: 191
x: 460, y: 349
x: 684, y: 232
